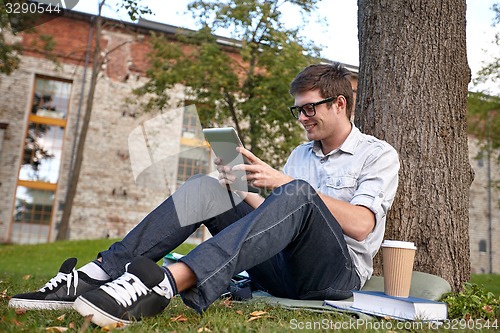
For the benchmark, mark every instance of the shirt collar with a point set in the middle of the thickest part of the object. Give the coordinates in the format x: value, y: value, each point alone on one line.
x: 349, y: 145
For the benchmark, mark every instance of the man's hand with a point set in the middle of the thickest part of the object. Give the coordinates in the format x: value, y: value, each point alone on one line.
x: 260, y: 174
x: 225, y: 175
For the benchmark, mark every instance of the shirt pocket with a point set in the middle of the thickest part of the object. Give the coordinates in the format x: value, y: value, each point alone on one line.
x: 341, y: 187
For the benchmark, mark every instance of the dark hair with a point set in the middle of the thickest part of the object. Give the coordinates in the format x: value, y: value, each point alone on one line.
x: 330, y: 79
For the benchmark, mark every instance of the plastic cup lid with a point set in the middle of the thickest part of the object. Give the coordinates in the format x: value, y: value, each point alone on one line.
x: 399, y: 244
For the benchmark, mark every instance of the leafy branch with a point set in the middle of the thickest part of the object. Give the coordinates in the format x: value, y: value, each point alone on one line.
x: 241, y: 82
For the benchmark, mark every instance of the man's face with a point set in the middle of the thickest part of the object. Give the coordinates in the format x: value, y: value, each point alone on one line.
x: 322, y: 124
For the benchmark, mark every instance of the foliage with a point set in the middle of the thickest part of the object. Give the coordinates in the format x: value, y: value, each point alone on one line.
x: 9, y: 51
x: 11, y: 25
x: 483, y: 109
x: 491, y: 71
x: 134, y: 8
x: 474, y: 302
x: 242, y: 81
x: 484, y: 118
x: 9, y: 59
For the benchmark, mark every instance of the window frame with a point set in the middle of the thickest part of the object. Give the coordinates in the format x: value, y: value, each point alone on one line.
x: 37, y: 184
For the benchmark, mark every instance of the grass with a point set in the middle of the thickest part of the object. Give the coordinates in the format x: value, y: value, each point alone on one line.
x: 490, y: 281
x: 28, y: 267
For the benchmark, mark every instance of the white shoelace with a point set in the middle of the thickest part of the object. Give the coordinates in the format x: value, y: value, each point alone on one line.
x: 60, y: 277
x: 127, y: 288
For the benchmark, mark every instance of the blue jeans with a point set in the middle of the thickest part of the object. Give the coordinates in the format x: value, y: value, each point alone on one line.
x: 291, y: 245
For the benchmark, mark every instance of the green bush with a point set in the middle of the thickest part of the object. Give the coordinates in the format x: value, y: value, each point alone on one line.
x: 474, y: 302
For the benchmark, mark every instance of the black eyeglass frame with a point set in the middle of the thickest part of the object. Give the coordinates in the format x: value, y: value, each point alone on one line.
x: 298, y: 109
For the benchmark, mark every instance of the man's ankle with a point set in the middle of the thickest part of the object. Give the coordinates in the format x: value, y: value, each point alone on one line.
x: 182, y: 275
x: 168, y: 285
x: 95, y: 271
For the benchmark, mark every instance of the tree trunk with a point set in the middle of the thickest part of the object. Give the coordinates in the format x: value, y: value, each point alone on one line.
x: 412, y: 92
x: 63, y: 231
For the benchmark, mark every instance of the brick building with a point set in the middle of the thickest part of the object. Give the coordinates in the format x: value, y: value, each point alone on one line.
x: 41, y: 107
x: 484, y: 211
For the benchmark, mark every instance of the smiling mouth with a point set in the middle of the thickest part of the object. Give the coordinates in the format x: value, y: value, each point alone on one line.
x: 309, y: 127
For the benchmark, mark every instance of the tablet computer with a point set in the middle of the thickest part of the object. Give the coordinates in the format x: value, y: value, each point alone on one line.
x: 224, y: 141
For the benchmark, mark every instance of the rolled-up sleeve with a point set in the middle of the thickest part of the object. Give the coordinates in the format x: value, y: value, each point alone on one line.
x: 378, y: 181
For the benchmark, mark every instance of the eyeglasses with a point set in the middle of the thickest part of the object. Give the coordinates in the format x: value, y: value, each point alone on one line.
x: 309, y: 109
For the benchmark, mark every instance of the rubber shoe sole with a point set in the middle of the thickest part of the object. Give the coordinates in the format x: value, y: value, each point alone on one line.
x: 99, y: 317
x: 58, y: 293
x: 28, y: 304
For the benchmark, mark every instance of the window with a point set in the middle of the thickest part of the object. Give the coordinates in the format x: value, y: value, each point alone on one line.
x: 482, y: 246
x: 480, y: 159
x: 191, y: 127
x: 32, y: 213
x: 42, y: 153
x: 51, y: 98
x: 194, y: 151
x: 192, y: 161
x: 41, y: 161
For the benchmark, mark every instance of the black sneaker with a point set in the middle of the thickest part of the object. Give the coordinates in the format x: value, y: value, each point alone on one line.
x: 60, y: 292
x: 134, y: 295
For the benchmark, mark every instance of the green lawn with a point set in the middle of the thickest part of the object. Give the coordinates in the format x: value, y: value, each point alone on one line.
x: 28, y: 267
x: 490, y: 281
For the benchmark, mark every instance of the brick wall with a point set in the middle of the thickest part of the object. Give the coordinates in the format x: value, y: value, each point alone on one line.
x: 478, y: 211
x: 15, y: 92
x: 108, y: 202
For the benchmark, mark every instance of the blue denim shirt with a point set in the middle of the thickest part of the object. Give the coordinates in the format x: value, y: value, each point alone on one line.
x: 362, y: 171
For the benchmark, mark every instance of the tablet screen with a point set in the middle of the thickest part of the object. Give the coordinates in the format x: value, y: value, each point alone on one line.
x: 224, y: 142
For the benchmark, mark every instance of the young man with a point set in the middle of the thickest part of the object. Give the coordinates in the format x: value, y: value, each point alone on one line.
x: 313, y: 237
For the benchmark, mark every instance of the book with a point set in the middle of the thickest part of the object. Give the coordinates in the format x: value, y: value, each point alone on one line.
x: 403, y: 308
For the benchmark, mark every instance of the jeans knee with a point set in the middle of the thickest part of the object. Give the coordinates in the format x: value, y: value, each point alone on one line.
x: 203, y: 184
x: 297, y: 188
x: 197, y: 176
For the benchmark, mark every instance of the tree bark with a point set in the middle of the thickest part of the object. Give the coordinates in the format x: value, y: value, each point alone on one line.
x: 412, y: 92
